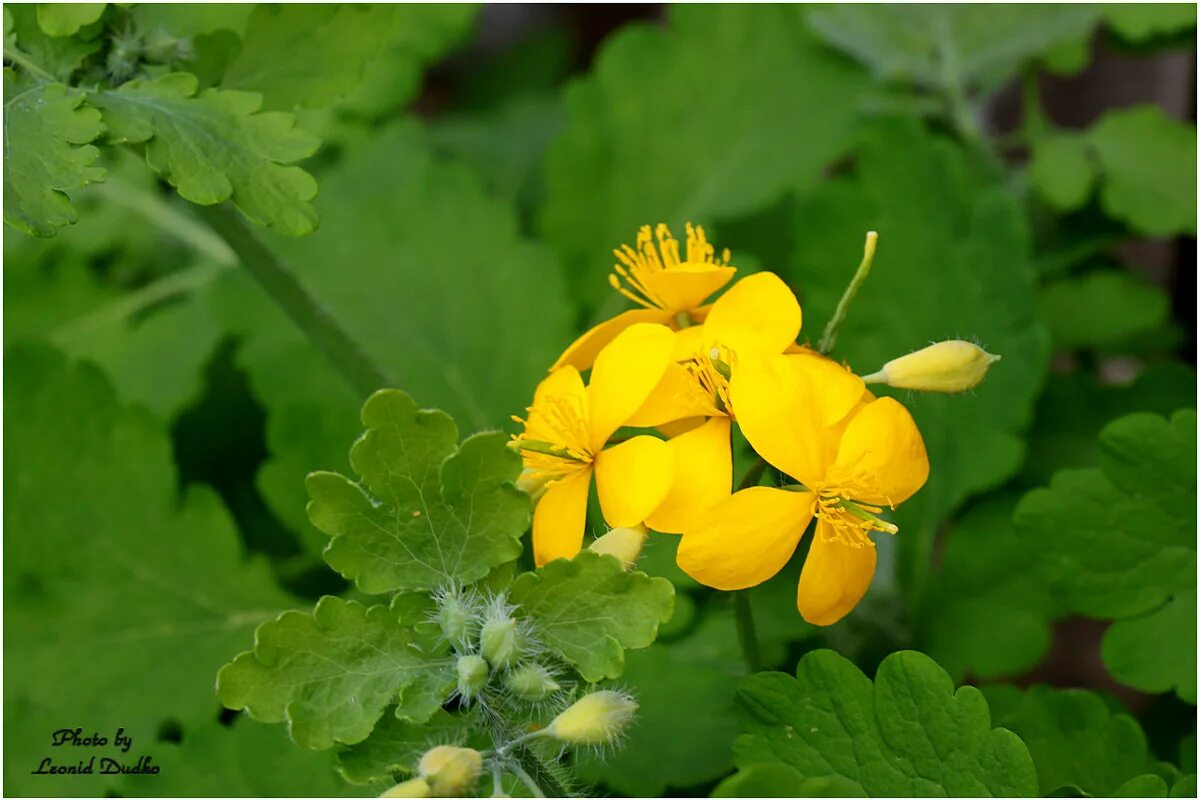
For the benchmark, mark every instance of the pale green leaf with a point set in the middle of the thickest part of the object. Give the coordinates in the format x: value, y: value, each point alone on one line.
x: 1101, y: 308
x: 64, y: 19
x: 122, y: 596
x: 216, y: 145
x: 1075, y: 739
x: 330, y: 674
x: 395, y: 746
x: 908, y: 734
x: 1149, y: 165
x: 698, y: 673
x: 777, y: 780
x: 715, y: 115
x: 1062, y: 170
x: 589, y: 611
x: 58, y: 56
x: 1139, y: 22
x: 1119, y: 542
x: 46, y: 152
x: 429, y: 512
x: 953, y: 262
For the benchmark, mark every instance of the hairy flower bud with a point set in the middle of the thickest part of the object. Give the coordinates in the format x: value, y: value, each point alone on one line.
x: 456, y: 618
x: 531, y: 683
x: 413, y: 788
x: 472, y: 675
x: 950, y: 366
x: 451, y: 771
x: 623, y: 543
x: 501, y: 639
x: 595, y: 719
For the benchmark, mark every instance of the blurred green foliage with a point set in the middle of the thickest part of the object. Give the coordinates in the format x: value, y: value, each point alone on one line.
x: 450, y: 203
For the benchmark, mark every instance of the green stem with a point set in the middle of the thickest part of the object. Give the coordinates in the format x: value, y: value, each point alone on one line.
x: 829, y: 337
x: 26, y: 63
x: 754, y: 473
x: 169, y: 219
x: 286, y: 290
x: 526, y: 780
x: 747, y: 636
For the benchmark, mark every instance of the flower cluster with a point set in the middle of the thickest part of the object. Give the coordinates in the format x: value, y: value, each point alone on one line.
x: 652, y: 426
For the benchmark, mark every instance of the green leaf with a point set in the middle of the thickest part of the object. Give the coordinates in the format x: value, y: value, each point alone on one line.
x: 989, y: 610
x: 122, y: 595
x: 1185, y: 787
x: 1149, y: 165
x: 951, y: 46
x: 395, y: 746
x: 698, y: 673
x: 1145, y: 786
x: 716, y: 115
x: 769, y: 780
x: 216, y: 145
x: 46, y: 152
x: 57, y: 56
x: 1075, y: 406
x: 589, y: 611
x: 1075, y: 739
x: 429, y: 512
x: 1062, y: 170
x: 436, y: 285
x: 1139, y: 22
x: 309, y: 54
x: 953, y: 262
x: 330, y: 674
x: 246, y: 759
x: 1118, y: 304
x: 64, y: 19
x: 1119, y: 542
x: 908, y: 734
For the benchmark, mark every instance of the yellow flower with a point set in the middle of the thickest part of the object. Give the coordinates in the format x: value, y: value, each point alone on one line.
x: 566, y: 431
x: 665, y: 288
x: 759, y: 314
x: 852, y: 455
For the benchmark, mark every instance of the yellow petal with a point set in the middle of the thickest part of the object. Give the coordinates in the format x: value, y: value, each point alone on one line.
x: 558, y: 519
x: 834, y: 579
x: 837, y: 390
x: 685, y: 287
x: 677, y: 427
x: 746, y: 538
x: 688, y: 342
x: 676, y: 396
x: 632, y: 479
x: 703, y: 476
x: 775, y: 409
x: 882, y: 445
x: 582, y: 353
x: 758, y: 312
x: 623, y: 376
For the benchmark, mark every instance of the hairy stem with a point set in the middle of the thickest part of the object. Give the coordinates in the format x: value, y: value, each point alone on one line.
x: 526, y: 780
x: 829, y: 337
x: 286, y: 290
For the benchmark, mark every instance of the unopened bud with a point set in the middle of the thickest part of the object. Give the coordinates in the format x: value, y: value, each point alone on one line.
x: 595, y: 719
x: 623, y: 543
x: 451, y: 771
x: 531, y: 683
x: 501, y: 639
x: 950, y: 366
x: 456, y: 618
x: 472, y: 675
x: 413, y: 788
x: 532, y: 482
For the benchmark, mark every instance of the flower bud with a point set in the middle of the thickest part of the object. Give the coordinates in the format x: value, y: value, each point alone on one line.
x: 531, y: 683
x: 950, y: 366
x: 595, y: 719
x: 623, y: 543
x: 413, y: 788
x: 451, y: 771
x: 472, y: 675
x: 456, y: 618
x: 501, y: 639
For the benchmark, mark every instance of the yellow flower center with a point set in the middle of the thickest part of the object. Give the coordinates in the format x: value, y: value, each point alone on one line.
x: 712, y: 367
x: 636, y: 275
x: 850, y: 521
x: 555, y: 442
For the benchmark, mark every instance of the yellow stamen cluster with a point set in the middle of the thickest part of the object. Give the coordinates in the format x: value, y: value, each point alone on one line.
x: 564, y: 450
x: 712, y: 368
x: 633, y: 275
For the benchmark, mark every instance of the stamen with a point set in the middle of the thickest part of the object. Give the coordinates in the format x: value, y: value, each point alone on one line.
x: 565, y: 448
x: 711, y: 367
x: 635, y: 267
